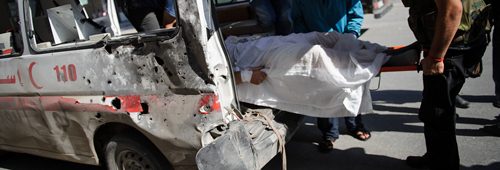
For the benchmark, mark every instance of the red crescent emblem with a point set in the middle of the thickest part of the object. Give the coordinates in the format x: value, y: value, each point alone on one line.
x: 19, y: 77
x: 31, y: 76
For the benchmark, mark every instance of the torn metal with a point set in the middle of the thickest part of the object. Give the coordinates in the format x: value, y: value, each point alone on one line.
x: 174, y: 87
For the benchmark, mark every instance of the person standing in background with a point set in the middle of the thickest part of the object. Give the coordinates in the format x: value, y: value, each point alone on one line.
x: 495, y: 128
x: 169, y: 16
x: 149, y: 15
x: 274, y: 15
x: 327, y: 16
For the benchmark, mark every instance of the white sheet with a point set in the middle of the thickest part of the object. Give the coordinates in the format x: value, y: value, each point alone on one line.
x: 314, y: 74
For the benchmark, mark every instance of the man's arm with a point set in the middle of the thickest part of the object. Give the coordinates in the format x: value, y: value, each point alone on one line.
x: 354, y: 17
x: 447, y: 22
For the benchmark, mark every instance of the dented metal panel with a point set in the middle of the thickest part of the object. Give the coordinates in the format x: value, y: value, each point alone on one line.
x: 247, y: 144
x: 175, y: 87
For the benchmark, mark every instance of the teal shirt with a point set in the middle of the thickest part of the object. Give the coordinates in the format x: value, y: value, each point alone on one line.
x: 344, y: 16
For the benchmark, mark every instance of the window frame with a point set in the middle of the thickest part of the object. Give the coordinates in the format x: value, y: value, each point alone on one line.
x: 87, y: 44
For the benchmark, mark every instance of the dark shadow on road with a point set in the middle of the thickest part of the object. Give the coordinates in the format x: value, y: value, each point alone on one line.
x: 493, y: 166
x: 309, y: 156
x: 390, y: 123
x: 352, y: 159
x: 400, y: 109
x: 479, y: 99
x: 406, y: 123
x: 18, y: 161
x: 411, y: 96
x: 397, y: 96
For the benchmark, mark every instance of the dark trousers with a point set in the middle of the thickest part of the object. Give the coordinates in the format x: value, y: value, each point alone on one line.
x: 496, y: 53
x: 145, y: 15
x: 330, y: 126
x: 437, y: 111
x: 145, y: 21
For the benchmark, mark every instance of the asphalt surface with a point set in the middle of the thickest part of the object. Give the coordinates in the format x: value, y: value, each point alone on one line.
x: 395, y: 128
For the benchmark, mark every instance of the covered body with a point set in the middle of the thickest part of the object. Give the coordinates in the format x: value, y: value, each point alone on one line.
x: 315, y: 74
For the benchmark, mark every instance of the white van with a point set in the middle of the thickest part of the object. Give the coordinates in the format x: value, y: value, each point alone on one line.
x: 79, y: 83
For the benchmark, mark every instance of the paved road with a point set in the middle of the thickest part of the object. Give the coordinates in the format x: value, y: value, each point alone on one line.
x: 395, y: 127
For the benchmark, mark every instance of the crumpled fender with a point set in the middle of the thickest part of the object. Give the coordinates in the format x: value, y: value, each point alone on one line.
x: 246, y: 144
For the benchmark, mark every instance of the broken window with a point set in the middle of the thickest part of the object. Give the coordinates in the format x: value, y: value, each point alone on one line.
x: 10, y: 37
x: 74, y: 23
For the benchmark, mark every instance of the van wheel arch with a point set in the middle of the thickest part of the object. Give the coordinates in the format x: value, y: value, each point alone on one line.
x: 122, y: 133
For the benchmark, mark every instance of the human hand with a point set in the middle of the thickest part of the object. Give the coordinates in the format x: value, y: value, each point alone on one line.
x: 258, y: 76
x: 431, y: 67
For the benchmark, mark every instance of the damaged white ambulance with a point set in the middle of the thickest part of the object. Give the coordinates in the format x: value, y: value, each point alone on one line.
x: 79, y: 83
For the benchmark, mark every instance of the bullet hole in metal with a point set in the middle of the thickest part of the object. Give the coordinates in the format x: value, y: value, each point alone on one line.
x: 88, y: 81
x: 116, y: 103
x: 211, y: 76
x: 224, y: 77
x: 194, y: 115
x: 182, y: 77
x: 103, y: 99
x: 98, y: 115
x: 157, y: 81
x: 145, y: 108
x: 109, y: 82
x: 159, y: 60
x: 114, y: 73
x: 169, y: 74
x: 91, y: 101
x: 150, y: 118
x: 156, y: 69
x: 83, y: 77
x: 221, y: 128
x: 164, y: 120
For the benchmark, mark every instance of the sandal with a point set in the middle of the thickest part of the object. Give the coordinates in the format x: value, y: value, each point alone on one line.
x: 360, y: 134
x: 326, y: 145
